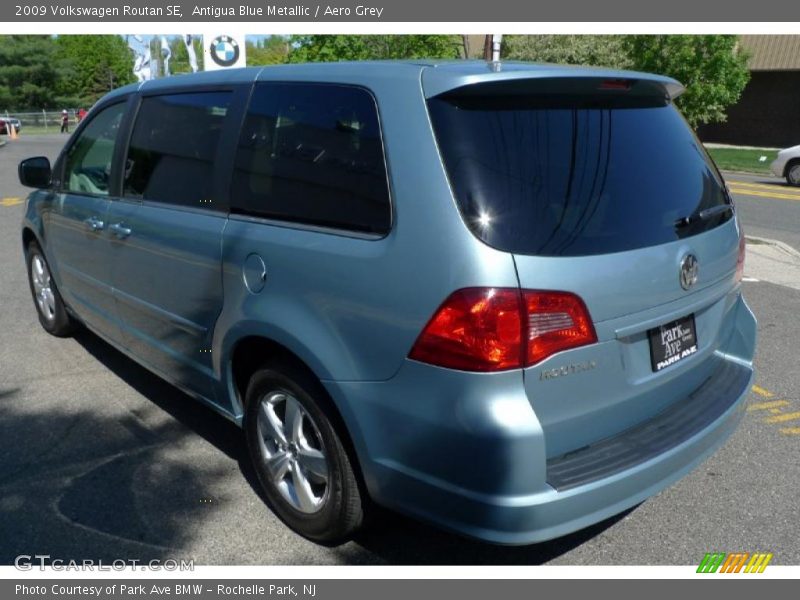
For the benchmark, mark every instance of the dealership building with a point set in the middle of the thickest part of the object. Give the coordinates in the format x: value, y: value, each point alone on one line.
x: 768, y: 113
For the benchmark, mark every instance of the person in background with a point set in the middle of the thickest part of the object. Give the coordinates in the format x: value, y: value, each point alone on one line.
x: 64, y: 121
x: 81, y: 114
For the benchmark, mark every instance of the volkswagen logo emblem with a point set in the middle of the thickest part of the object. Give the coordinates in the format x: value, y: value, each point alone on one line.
x: 689, y: 270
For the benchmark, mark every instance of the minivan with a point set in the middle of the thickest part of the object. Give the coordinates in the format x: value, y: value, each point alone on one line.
x: 502, y: 298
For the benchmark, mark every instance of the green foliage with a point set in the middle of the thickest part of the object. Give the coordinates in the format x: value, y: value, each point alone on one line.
x: 28, y: 71
x: 72, y: 70
x: 327, y: 48
x: 711, y: 67
x: 94, y: 65
x: 595, y: 50
x: 273, y: 50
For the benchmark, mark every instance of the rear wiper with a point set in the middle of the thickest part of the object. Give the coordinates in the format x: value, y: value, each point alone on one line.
x: 704, y: 215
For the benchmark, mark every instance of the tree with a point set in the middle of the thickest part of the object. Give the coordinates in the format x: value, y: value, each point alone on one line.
x: 28, y: 72
x: 94, y: 64
x: 712, y: 68
x: 595, y: 50
x: 273, y: 50
x: 326, y: 48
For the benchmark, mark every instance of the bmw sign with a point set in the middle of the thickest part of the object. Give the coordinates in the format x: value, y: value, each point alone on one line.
x: 223, y: 52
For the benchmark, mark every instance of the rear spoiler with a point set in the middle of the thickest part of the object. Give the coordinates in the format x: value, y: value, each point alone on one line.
x: 524, y: 78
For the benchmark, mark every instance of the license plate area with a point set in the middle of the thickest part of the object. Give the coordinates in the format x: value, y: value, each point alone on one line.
x: 672, y: 342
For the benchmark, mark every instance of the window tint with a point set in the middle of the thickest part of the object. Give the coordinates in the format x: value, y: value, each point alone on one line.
x: 173, y: 146
x: 571, y: 176
x: 313, y: 154
x: 87, y: 168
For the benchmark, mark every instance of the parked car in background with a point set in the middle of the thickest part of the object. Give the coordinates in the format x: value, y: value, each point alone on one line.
x: 787, y: 164
x: 467, y: 292
x: 5, y: 122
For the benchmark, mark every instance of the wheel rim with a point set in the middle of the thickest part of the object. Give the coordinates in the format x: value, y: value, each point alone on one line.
x: 43, y: 287
x: 293, y: 453
x: 794, y: 175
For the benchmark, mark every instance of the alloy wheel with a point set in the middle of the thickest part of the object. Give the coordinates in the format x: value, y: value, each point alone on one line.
x: 293, y: 453
x: 43, y: 288
x: 794, y: 174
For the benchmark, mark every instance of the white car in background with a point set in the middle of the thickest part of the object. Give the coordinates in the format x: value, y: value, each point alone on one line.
x: 787, y: 165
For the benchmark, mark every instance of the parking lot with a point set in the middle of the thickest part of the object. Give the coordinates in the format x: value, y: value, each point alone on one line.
x: 102, y: 460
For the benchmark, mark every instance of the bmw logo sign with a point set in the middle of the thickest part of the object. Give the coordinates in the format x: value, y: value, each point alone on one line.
x: 224, y: 51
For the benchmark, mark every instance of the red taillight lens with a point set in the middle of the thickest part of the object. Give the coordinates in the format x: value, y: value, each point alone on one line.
x: 616, y: 84
x: 556, y: 321
x: 476, y: 329
x: 494, y: 329
x: 740, y: 258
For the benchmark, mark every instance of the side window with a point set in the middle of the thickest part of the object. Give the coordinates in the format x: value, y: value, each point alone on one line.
x: 173, y: 145
x: 87, y: 167
x: 312, y: 153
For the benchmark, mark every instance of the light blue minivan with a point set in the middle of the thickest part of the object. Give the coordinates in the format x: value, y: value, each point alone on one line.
x: 503, y: 298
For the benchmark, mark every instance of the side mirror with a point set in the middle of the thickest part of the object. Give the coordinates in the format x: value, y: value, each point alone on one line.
x: 35, y: 172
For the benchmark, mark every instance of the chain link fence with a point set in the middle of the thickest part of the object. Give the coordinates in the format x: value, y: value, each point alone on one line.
x: 47, y: 121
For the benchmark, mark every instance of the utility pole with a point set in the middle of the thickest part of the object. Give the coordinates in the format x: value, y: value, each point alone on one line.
x: 491, y: 47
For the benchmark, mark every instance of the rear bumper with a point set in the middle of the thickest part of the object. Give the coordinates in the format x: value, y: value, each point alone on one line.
x: 466, y: 452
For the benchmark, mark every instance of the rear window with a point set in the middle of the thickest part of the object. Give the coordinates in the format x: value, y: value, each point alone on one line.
x: 580, y: 175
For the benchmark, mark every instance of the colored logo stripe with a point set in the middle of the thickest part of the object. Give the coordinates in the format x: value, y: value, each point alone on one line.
x: 733, y: 563
x: 711, y: 562
x: 759, y: 561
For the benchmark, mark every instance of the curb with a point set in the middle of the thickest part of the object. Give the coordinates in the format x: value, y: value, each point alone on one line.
x: 751, y: 239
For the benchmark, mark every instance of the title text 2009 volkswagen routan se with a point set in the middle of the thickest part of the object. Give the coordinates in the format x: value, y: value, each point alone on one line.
x: 502, y: 298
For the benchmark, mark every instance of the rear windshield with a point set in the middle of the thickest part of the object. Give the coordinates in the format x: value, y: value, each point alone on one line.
x: 575, y: 175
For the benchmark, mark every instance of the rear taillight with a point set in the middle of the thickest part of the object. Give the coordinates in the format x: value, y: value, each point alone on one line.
x: 740, y: 258
x: 476, y: 329
x: 556, y: 321
x: 495, y: 329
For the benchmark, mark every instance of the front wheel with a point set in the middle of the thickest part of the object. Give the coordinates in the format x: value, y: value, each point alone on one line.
x: 793, y: 174
x: 50, y: 306
x: 298, y: 455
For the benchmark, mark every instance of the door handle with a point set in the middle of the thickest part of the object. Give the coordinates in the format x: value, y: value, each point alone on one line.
x: 94, y: 224
x: 119, y: 230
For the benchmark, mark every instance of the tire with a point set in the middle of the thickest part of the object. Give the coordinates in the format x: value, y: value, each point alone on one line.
x: 49, y: 305
x: 301, y: 463
x: 793, y: 173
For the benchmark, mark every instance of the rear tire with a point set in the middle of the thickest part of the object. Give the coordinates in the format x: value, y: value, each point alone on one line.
x: 49, y: 305
x: 793, y: 173
x: 301, y: 463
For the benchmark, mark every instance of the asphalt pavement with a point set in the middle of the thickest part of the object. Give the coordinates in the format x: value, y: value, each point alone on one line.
x: 102, y: 460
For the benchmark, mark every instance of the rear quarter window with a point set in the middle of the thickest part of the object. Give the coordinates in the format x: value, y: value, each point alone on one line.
x: 312, y: 154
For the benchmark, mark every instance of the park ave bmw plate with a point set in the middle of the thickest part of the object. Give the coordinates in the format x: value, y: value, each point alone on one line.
x: 672, y: 342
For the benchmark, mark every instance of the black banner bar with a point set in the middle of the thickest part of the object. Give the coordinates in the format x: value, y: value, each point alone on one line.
x: 467, y: 11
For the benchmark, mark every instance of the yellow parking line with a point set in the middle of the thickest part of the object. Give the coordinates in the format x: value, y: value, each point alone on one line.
x: 782, y: 418
x: 747, y: 192
x: 791, y: 430
x: 772, y: 187
x: 762, y: 392
x: 768, y: 405
x: 11, y: 201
